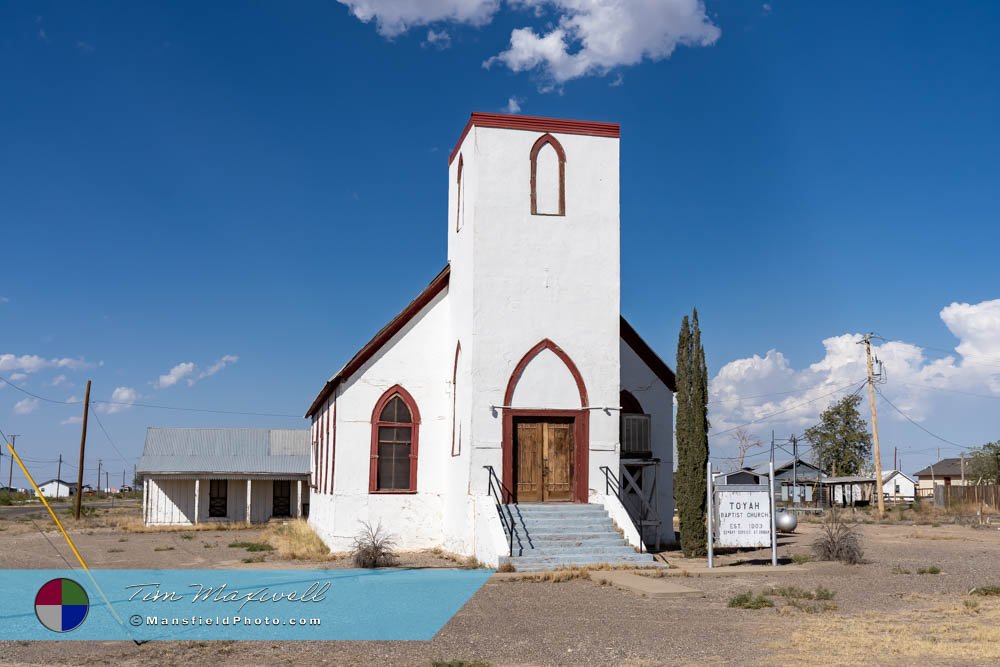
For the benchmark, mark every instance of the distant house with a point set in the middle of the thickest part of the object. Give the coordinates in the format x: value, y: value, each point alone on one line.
x: 806, y: 477
x: 946, y: 472
x: 898, y: 486
x: 849, y: 490
x: 198, y: 475
x: 56, y: 488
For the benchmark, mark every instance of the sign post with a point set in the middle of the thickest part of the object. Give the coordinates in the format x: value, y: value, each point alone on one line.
x: 710, y: 486
x: 774, y: 532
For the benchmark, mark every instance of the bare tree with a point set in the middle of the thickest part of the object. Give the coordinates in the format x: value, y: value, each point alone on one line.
x: 745, y: 441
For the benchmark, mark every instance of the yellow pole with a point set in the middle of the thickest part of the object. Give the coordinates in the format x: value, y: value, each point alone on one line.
x: 62, y: 530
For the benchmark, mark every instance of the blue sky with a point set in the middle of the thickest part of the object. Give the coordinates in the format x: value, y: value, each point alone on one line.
x: 254, y: 189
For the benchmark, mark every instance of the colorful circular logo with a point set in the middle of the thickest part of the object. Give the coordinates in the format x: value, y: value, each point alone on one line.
x: 61, y: 605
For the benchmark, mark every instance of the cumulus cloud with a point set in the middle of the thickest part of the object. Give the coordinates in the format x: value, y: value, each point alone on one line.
x: 439, y: 39
x: 592, y: 37
x: 32, y: 363
x: 72, y: 420
x: 189, y: 372
x: 122, y: 399
x: 394, y: 17
x: 26, y: 406
x: 176, y: 374
x: 513, y: 105
x: 770, y: 392
x: 58, y: 381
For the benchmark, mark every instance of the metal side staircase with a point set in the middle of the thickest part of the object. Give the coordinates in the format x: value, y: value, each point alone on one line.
x: 547, y: 536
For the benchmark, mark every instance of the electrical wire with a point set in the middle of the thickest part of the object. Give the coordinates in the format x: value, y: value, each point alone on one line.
x: 907, y: 417
x: 951, y: 391
x: 108, y: 436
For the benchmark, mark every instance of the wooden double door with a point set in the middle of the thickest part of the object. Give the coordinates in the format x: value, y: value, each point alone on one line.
x: 543, y: 459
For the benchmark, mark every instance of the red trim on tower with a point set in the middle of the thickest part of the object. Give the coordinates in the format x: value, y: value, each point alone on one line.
x: 547, y: 139
x: 535, y: 124
x: 545, y: 344
x: 382, y: 337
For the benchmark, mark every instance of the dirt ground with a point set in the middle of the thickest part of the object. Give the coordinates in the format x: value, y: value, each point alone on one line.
x: 884, y: 609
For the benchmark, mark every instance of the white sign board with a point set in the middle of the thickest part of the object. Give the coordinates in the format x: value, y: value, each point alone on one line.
x: 744, y: 518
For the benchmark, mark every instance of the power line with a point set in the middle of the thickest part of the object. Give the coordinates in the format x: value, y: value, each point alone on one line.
x: 788, y: 409
x: 952, y: 391
x: 907, y: 417
x: 148, y: 405
x: 108, y: 436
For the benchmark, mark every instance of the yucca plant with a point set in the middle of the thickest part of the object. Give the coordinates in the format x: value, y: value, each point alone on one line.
x: 373, y: 547
x: 839, y: 540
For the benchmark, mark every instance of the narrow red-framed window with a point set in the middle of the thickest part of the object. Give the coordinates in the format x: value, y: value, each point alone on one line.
x: 548, y: 177
x: 459, y: 218
x: 395, y: 434
x: 456, y: 429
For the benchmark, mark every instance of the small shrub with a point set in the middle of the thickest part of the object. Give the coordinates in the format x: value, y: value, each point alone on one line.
x: 823, y: 593
x: 971, y: 605
x: 163, y: 548
x: 838, y: 541
x: 933, y: 569
x: 297, y: 540
x: 123, y: 539
x: 186, y: 536
x: 459, y: 663
x: 749, y: 601
x: 812, y: 607
x: 373, y: 547
x: 987, y: 591
x: 506, y: 567
x: 252, y: 559
x: 115, y: 551
x: 799, y: 559
x: 899, y: 569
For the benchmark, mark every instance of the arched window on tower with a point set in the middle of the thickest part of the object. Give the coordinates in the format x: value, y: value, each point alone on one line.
x: 548, y: 177
x: 460, y: 189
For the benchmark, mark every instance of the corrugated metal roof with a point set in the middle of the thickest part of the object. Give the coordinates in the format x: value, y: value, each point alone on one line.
x: 226, y: 450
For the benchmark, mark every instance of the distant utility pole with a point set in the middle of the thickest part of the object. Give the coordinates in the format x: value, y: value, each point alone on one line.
x: 83, y: 445
x: 10, y: 475
x: 871, y: 399
x: 98, y: 489
x: 962, y: 466
x: 795, y: 460
x: 107, y: 484
x: 59, y: 476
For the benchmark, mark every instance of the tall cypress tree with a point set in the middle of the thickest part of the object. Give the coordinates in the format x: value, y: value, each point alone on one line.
x: 692, y: 436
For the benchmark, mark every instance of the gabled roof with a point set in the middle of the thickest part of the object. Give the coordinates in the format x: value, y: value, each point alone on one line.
x: 889, y: 474
x: 779, y: 466
x: 628, y: 334
x: 943, y: 468
x: 49, y: 481
x: 535, y: 124
x: 225, y: 450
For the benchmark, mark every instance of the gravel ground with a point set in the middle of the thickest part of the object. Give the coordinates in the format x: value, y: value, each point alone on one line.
x: 579, y: 622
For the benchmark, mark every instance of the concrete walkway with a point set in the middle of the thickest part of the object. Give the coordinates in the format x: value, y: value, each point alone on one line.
x: 654, y: 587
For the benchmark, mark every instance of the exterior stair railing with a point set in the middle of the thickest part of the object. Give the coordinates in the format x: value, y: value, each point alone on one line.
x: 611, y: 484
x: 503, y: 509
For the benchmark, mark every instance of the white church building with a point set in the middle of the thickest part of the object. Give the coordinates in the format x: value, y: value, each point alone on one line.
x: 509, y: 411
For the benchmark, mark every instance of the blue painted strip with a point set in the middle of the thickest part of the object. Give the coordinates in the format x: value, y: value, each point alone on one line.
x: 240, y: 604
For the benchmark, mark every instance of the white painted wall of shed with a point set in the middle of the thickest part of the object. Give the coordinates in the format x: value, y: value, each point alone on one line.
x: 907, y: 487
x: 535, y: 277
x: 170, y: 501
x: 55, y: 489
x: 658, y: 402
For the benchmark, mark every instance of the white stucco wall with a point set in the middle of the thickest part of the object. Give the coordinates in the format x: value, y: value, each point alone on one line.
x: 419, y: 358
x: 658, y: 402
x: 534, y: 277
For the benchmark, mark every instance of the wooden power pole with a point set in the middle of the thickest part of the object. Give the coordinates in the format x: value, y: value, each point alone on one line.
x: 871, y: 399
x: 83, y: 446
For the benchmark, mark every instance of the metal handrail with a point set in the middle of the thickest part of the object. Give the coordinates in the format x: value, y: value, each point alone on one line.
x: 496, y: 490
x: 610, y: 477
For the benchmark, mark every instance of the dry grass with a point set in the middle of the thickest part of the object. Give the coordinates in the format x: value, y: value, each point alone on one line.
x: 296, y: 540
x: 554, y: 576
x: 947, y: 634
x: 926, y: 536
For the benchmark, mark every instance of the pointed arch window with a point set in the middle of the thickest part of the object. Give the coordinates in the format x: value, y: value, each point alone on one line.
x: 548, y: 177
x: 459, y: 187
x: 395, y: 430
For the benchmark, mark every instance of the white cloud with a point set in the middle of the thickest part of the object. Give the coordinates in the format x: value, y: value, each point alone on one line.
x: 394, y: 17
x: 914, y: 376
x: 121, y: 400
x: 26, y: 406
x: 591, y: 37
x: 176, y: 374
x: 513, y: 105
x: 58, y: 381
x: 72, y: 420
x: 215, y: 368
x: 439, y: 39
x: 17, y: 377
x: 32, y: 363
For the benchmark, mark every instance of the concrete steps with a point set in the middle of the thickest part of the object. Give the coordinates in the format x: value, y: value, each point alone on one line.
x: 553, y: 535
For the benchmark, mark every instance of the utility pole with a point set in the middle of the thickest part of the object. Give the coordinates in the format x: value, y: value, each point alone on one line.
x: 10, y: 475
x: 83, y: 445
x: 59, y: 476
x: 961, y: 460
x: 795, y: 460
x: 895, y: 458
x: 98, y: 489
x: 871, y: 399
